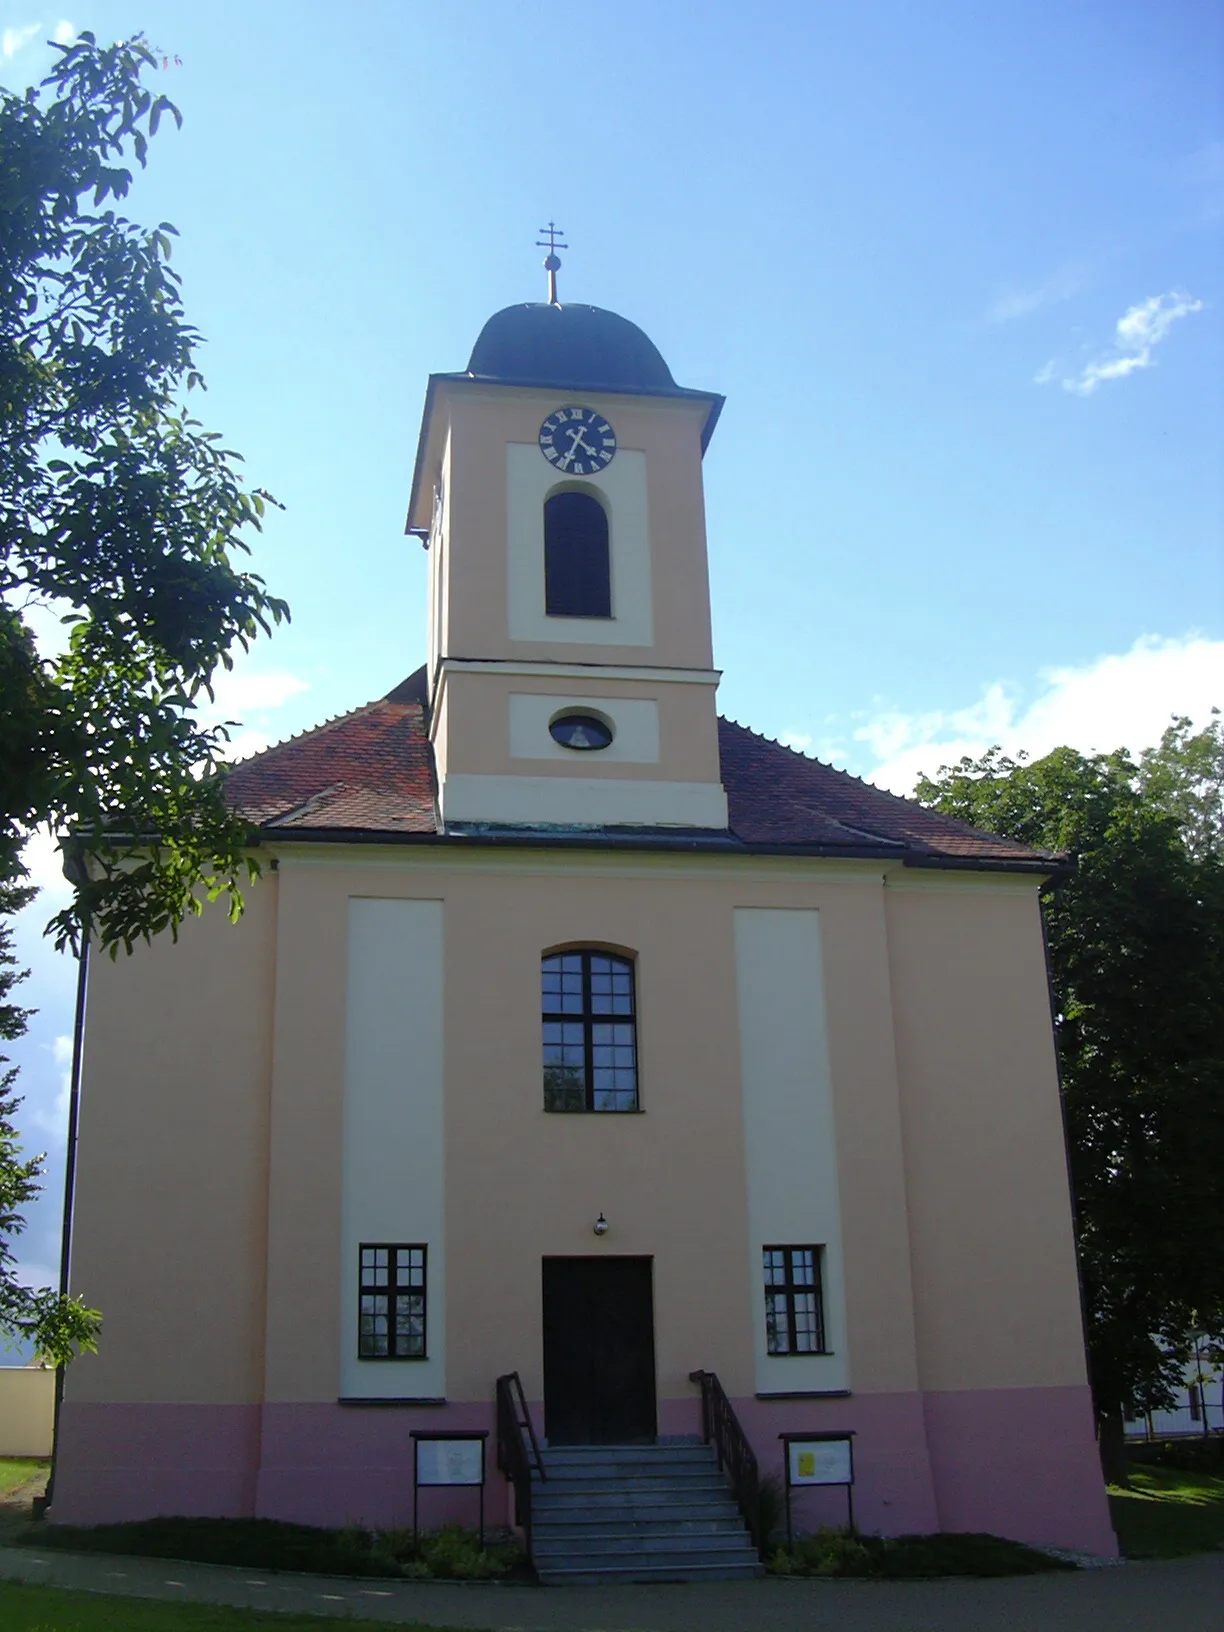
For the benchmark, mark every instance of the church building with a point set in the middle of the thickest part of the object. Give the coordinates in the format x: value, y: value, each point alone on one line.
x: 575, y: 1032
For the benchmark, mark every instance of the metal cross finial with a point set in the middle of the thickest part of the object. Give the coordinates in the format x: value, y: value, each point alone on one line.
x: 552, y: 262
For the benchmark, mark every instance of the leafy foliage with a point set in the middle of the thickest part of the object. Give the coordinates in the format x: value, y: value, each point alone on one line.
x: 452, y: 1553
x: 1136, y: 938
x: 119, y: 514
x: 59, y: 1327
x: 831, y: 1552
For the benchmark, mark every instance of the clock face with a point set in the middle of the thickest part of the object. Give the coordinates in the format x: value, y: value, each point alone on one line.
x: 577, y: 441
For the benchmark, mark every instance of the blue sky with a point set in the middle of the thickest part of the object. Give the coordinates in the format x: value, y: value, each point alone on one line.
x: 957, y: 269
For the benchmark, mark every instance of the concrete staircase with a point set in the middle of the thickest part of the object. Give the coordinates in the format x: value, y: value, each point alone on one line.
x: 637, y: 1513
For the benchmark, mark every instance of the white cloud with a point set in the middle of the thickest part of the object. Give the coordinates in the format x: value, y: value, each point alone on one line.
x: 1119, y: 701
x: 65, y: 32
x: 1146, y: 325
x: 53, y: 1117
x: 1014, y: 303
x: 239, y: 692
x: 245, y: 744
x: 44, y: 861
x: 1137, y: 333
x: 798, y: 740
x: 16, y: 39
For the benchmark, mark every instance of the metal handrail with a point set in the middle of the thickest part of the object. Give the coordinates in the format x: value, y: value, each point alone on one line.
x: 736, y: 1458
x: 518, y: 1452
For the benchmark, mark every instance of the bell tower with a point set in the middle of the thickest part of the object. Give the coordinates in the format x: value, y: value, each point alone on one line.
x: 558, y: 490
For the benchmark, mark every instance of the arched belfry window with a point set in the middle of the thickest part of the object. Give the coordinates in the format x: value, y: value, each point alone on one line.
x: 577, y: 566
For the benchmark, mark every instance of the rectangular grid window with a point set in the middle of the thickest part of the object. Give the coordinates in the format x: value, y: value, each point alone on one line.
x: 590, y: 1032
x: 391, y: 1321
x: 794, y: 1306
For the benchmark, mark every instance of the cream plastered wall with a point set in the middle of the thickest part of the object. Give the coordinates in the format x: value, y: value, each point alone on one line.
x: 488, y: 773
x: 477, y: 724
x: 991, y: 1241
x: 950, y: 1154
x: 522, y: 1184
x: 481, y: 422
x: 170, y: 1222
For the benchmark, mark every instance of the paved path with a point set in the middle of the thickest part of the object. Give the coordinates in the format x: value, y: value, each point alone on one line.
x: 1184, y: 1594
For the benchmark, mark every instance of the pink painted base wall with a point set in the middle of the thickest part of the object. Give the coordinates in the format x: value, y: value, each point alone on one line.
x: 1014, y: 1462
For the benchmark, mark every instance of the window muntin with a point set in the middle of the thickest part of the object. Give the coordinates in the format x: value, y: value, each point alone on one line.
x: 577, y: 562
x: 794, y: 1302
x: 590, y: 1032
x: 392, y: 1296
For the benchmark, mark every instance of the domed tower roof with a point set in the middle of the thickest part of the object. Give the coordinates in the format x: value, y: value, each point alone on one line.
x: 555, y: 347
x: 579, y: 347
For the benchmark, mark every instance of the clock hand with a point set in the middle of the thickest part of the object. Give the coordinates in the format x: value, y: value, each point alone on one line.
x: 574, y: 432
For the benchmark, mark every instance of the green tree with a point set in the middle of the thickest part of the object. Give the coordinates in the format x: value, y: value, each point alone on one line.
x: 1136, y: 940
x: 126, y: 520
x: 58, y: 1327
x: 119, y: 514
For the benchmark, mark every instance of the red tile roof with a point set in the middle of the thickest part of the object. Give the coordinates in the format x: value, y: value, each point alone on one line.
x: 371, y: 772
x: 368, y: 771
x: 778, y: 796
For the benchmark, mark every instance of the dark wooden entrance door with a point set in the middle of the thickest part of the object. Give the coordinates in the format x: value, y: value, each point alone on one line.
x: 599, y: 1366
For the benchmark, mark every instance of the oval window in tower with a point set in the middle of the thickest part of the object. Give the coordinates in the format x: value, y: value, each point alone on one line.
x: 582, y: 732
x: 577, y: 565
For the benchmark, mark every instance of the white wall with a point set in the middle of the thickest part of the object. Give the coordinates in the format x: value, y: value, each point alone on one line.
x: 27, y: 1410
x: 789, y: 1137
x: 393, y: 1145
x: 635, y: 722
x: 580, y: 801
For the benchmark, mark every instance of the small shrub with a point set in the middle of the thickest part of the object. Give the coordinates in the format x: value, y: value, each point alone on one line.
x: 843, y: 1553
x: 455, y: 1554
x: 825, y: 1552
x: 451, y: 1553
x: 1198, y: 1455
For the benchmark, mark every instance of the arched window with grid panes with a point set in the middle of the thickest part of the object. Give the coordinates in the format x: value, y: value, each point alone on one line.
x: 589, y: 1015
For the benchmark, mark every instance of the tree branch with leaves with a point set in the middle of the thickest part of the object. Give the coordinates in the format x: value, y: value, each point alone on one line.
x: 119, y: 514
x: 1136, y: 938
x: 126, y: 520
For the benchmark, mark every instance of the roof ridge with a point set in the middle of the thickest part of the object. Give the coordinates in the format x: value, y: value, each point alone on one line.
x: 814, y: 759
x: 319, y: 730
x: 908, y: 802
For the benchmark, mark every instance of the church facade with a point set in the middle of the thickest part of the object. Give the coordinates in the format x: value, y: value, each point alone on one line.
x: 574, y: 1031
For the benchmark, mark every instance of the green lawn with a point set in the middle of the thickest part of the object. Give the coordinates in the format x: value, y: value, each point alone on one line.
x: 1169, y: 1512
x: 46, y: 1609
x: 16, y: 1471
